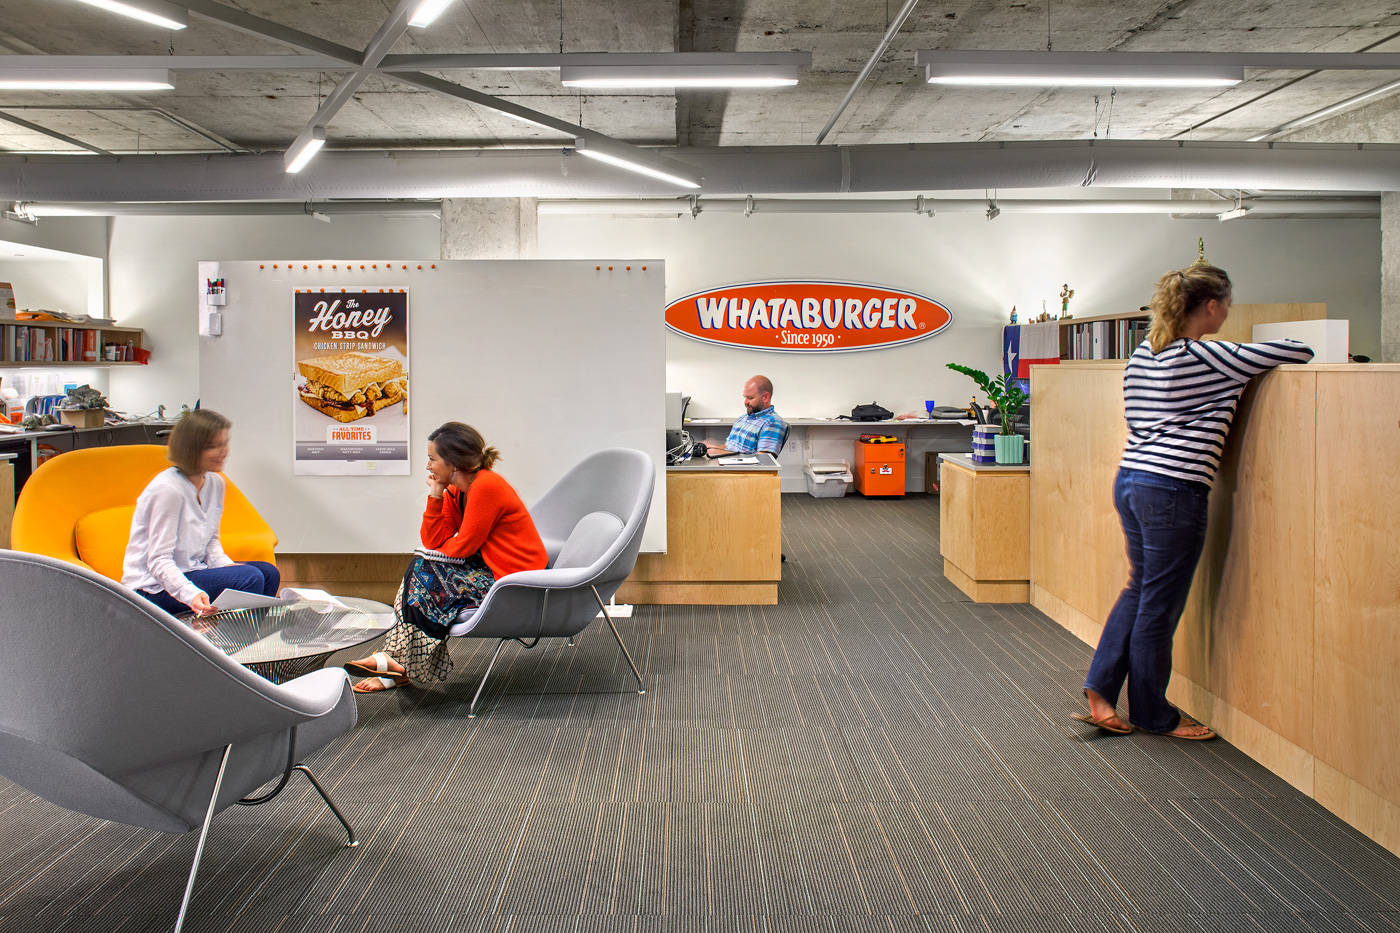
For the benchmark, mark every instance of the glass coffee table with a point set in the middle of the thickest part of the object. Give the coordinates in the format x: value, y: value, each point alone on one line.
x: 284, y: 642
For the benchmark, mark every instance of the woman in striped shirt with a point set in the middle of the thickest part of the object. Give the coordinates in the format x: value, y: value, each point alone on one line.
x: 1179, y: 397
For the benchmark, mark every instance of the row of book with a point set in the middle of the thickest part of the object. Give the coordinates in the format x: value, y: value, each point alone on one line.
x: 1104, y: 340
x: 51, y: 344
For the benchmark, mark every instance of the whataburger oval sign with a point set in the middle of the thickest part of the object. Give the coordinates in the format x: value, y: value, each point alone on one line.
x: 807, y: 317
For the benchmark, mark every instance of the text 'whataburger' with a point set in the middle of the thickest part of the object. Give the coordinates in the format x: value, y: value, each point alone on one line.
x: 807, y: 316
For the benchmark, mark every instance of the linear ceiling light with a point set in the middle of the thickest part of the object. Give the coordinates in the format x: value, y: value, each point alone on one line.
x: 84, y: 79
x: 297, y: 158
x: 155, y: 12
x: 1078, y: 69
x: 682, y: 69
x: 427, y: 11
x: 679, y: 76
x: 665, y: 169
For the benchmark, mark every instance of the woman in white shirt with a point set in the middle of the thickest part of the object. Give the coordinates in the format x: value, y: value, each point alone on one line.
x: 173, y: 557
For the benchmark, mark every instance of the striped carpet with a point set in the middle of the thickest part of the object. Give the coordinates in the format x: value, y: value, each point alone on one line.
x: 874, y: 753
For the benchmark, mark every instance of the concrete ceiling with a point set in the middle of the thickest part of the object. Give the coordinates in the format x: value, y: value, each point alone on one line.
x: 213, y: 111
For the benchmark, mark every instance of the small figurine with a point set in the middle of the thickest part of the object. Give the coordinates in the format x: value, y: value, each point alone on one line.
x: 1066, y: 294
x: 1201, y: 259
x: 1013, y: 314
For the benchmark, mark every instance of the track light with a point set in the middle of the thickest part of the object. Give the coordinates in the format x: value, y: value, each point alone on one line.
x: 993, y: 212
x: 155, y: 12
x: 297, y: 157
x: 40, y: 78
x: 1078, y: 69
x: 427, y: 11
x: 677, y: 173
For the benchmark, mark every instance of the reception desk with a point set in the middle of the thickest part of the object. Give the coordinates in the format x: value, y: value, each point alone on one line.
x: 723, y: 538
x: 1291, y: 637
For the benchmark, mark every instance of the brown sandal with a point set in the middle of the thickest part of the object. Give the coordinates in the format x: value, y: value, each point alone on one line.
x: 1112, y: 723
x: 1188, y: 721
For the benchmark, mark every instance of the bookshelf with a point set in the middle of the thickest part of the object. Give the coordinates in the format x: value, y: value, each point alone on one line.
x: 1103, y: 336
x: 48, y: 343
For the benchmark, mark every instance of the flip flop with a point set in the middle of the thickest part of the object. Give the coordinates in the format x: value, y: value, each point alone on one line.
x: 385, y: 683
x: 1188, y: 721
x: 1105, y: 724
x: 381, y: 666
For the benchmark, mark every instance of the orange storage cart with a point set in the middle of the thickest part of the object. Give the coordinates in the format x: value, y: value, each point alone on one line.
x: 879, y: 468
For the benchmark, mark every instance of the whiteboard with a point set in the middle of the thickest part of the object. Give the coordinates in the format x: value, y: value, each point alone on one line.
x: 549, y: 360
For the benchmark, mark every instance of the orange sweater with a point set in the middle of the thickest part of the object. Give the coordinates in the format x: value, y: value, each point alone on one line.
x: 494, y: 522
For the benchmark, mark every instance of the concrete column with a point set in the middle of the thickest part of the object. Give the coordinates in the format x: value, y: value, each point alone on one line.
x: 1390, y: 277
x: 490, y: 228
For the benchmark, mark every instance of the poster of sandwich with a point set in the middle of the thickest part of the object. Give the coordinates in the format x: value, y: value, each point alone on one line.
x: 350, y: 414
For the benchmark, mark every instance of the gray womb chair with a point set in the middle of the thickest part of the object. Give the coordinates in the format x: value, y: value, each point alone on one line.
x: 88, y: 727
x: 591, y: 522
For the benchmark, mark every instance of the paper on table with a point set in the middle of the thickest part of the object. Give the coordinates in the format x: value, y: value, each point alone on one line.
x: 702, y: 420
x: 241, y: 599
x: 315, y: 596
x: 736, y: 461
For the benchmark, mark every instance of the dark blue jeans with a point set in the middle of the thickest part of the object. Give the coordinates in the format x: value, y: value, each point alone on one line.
x: 1164, y: 521
x: 256, y: 576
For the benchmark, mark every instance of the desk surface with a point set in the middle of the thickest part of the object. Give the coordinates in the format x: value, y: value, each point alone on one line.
x: 965, y: 461
x: 37, y: 435
x: 767, y: 463
x: 835, y: 422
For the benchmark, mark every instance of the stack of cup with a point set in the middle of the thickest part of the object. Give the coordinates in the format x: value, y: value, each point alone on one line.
x: 984, y: 443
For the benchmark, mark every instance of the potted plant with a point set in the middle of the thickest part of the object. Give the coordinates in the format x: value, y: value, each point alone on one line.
x: 1008, y: 398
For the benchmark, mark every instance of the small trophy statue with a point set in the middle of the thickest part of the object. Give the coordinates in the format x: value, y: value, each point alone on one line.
x: 1201, y: 259
x: 1066, y: 294
x: 1013, y: 314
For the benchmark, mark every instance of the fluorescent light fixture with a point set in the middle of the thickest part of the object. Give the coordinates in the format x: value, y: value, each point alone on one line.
x: 37, y: 78
x: 1326, y: 112
x: 296, y: 158
x: 618, y: 76
x: 427, y: 11
x: 666, y: 170
x: 1233, y: 214
x: 1078, y: 69
x: 155, y: 12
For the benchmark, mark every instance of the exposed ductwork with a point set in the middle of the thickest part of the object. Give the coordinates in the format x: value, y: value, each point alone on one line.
x: 809, y: 170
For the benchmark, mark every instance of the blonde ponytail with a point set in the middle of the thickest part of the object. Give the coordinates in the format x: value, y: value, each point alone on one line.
x: 1180, y: 294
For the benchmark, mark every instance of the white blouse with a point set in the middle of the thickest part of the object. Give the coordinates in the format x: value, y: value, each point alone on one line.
x: 175, y: 530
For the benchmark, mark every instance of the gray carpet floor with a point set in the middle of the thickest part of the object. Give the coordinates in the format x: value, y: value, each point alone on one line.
x: 873, y: 753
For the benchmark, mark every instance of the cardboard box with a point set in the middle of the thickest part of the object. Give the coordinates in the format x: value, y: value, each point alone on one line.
x: 82, y: 417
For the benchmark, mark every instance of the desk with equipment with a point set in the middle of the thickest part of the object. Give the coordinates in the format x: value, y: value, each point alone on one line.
x: 723, y: 536
x: 828, y: 439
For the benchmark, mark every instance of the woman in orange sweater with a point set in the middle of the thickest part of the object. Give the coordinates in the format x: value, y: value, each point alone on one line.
x: 475, y: 530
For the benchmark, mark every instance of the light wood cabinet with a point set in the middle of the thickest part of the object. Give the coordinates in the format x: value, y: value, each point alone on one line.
x: 1290, y: 639
x: 984, y: 531
x: 723, y: 543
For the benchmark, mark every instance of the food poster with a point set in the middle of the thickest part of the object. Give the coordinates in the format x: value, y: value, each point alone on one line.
x: 350, y: 410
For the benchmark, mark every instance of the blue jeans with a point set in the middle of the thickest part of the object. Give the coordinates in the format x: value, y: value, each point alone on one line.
x: 1164, y: 521
x: 256, y: 576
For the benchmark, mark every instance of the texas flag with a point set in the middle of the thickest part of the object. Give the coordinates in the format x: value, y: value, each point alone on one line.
x: 1024, y: 344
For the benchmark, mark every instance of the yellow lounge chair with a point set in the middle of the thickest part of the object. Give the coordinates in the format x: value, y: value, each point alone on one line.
x: 78, y: 507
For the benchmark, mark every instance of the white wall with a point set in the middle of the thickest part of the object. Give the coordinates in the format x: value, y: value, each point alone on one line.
x: 153, y: 282
x: 977, y: 268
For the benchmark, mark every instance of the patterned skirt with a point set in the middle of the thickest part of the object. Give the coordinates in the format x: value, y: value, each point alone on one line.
x: 434, y: 589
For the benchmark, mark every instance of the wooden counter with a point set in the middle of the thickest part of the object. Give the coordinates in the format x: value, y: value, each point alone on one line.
x: 1291, y: 637
x: 723, y: 540
x: 984, y: 529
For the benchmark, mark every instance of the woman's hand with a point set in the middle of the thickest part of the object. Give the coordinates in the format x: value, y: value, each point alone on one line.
x: 200, y: 605
x: 435, y: 489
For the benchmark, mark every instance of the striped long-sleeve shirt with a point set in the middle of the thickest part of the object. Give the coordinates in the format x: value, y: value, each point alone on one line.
x: 1179, y: 403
